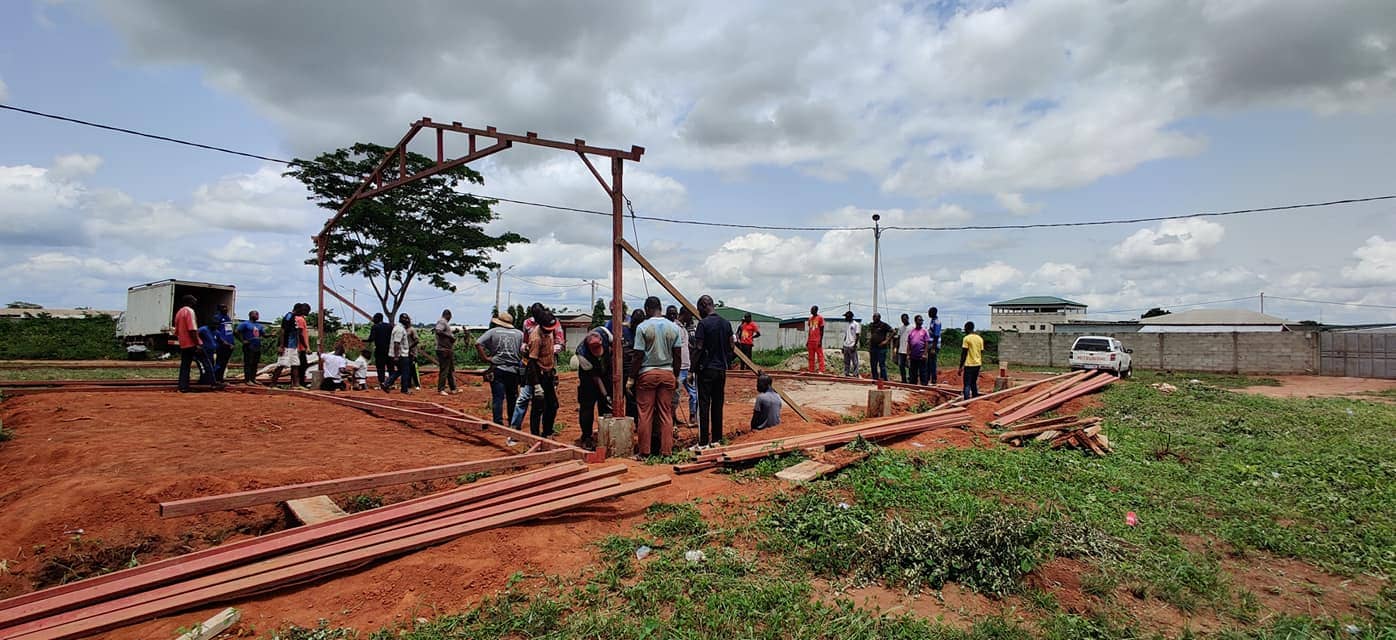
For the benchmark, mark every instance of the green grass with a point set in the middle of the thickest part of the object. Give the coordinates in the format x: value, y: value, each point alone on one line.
x: 1223, y: 380
x: 45, y: 338
x: 773, y: 357
x: 125, y: 373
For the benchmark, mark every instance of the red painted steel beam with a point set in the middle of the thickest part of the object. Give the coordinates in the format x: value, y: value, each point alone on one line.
x: 579, y: 146
x: 445, y: 166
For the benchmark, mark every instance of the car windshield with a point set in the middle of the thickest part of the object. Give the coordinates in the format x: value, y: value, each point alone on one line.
x: 1091, y: 344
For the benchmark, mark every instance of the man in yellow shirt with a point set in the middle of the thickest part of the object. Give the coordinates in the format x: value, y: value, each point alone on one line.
x: 971, y: 358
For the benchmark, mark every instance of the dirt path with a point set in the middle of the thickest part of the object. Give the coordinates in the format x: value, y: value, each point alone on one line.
x: 1322, y: 387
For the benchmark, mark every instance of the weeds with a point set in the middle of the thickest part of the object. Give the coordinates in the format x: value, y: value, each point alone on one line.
x: 674, y: 522
x: 474, y: 476
x: 362, y: 502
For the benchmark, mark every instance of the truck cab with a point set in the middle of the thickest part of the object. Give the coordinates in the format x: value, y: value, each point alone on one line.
x: 1103, y: 353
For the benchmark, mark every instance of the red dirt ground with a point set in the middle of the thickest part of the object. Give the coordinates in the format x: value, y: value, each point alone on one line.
x: 101, y: 463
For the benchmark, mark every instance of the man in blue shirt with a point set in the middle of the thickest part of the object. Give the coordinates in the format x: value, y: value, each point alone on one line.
x: 250, y: 332
x: 712, y: 350
x: 932, y: 346
x: 208, y: 346
x: 223, y: 333
x: 659, y: 350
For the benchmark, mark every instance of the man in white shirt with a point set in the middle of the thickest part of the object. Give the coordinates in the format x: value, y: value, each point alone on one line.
x: 850, y: 345
x: 361, y: 370
x: 334, y: 366
x: 902, y: 335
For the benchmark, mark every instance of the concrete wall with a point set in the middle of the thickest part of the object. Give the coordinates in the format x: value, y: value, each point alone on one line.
x: 1289, y: 352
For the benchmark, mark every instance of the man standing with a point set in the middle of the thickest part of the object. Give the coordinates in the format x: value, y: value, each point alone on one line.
x: 187, y: 332
x: 250, y: 332
x: 747, y: 333
x: 541, y: 370
x: 814, y: 343
x: 659, y: 348
x: 850, y: 345
x: 879, y: 339
x: 445, y: 353
x: 223, y: 333
x: 933, y: 352
x: 971, y: 359
x: 688, y: 378
x: 918, y: 342
x: 712, y: 350
x: 902, y: 335
x: 302, y: 342
x: 593, y: 381
x: 381, y: 335
x: 400, y: 349
x: 526, y: 392
x: 501, y: 346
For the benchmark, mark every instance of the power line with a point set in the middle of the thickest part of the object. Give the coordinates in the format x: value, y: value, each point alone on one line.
x: 730, y: 225
x: 1343, y: 304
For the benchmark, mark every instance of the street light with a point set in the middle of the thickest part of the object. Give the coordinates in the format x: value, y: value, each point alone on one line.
x: 877, y: 255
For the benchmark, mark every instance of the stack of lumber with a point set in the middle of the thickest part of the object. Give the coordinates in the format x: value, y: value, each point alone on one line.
x: 872, y: 430
x: 1048, y: 397
x: 294, y: 556
x: 1063, y: 431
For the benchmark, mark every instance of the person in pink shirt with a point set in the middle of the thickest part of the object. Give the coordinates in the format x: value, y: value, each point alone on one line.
x: 918, y: 344
x: 186, y: 329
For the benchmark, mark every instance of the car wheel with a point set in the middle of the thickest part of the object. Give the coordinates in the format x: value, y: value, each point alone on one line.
x: 1125, y: 373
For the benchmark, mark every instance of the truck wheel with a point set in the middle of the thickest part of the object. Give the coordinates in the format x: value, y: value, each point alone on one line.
x: 1125, y: 373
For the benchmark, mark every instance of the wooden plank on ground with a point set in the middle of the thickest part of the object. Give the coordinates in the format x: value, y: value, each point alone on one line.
x: 315, y: 509
x: 805, y: 471
x: 210, y: 628
x: 273, y: 495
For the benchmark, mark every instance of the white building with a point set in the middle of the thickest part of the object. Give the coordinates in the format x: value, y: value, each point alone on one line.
x: 1034, y: 314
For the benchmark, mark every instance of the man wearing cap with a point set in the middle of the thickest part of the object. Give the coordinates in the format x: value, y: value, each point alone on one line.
x: 593, y: 381
x: 501, y: 346
x: 445, y: 353
x: 850, y: 345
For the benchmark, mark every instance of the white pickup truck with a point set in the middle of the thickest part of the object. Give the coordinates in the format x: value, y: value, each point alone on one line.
x: 1101, y: 352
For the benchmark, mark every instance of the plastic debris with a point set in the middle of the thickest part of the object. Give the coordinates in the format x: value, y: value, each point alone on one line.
x: 642, y: 552
x: 694, y: 557
x: 1131, y: 519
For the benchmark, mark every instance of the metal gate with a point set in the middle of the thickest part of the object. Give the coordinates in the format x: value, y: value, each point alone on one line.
x: 1359, y: 355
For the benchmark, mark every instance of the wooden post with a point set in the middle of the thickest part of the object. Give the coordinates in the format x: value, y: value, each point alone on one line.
x: 617, y: 292
x: 879, y: 403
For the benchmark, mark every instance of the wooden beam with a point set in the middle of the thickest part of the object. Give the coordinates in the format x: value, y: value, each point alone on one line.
x: 272, y: 495
x: 315, y: 509
x: 674, y: 291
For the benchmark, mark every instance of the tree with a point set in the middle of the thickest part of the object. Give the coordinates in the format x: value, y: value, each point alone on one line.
x: 598, y: 313
x: 20, y: 304
x: 518, y: 312
x: 1156, y: 311
x: 424, y: 230
x: 333, y: 324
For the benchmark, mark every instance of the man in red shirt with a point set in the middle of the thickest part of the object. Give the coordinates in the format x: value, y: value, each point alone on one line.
x: 187, y: 332
x: 747, y: 333
x: 815, y: 341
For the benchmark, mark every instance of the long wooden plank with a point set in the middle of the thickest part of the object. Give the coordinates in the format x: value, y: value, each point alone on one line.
x: 291, y: 570
x: 1080, y: 389
x: 1000, y: 395
x: 674, y: 291
x: 872, y: 434
x: 68, y: 596
x: 1063, y: 383
x: 273, y: 495
x: 959, y: 414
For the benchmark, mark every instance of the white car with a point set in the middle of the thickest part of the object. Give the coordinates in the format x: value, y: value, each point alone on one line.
x: 1101, y: 352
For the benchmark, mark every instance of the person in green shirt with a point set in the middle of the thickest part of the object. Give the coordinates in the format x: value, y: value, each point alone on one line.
x: 971, y: 359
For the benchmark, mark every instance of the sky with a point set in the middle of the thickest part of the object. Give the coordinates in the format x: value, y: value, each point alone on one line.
x: 768, y: 113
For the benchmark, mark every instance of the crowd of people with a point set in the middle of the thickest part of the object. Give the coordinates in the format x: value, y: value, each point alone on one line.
x: 664, y: 351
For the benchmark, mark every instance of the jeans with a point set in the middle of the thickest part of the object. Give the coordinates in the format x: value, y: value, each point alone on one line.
x: 901, y: 366
x: 918, y: 369
x: 712, y: 385
x: 521, y: 407
x: 504, y: 393
x: 251, y: 360
x: 928, y: 370
x: 688, y: 382
x: 654, y: 397
x: 591, y: 401
x: 545, y: 415
x: 878, y: 355
x: 971, y: 382
x: 224, y: 354
x: 816, y: 352
x: 446, y: 374
x: 186, y: 360
x: 850, y: 361
x: 404, y: 373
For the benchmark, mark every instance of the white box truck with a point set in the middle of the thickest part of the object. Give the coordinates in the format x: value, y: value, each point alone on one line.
x: 147, y: 325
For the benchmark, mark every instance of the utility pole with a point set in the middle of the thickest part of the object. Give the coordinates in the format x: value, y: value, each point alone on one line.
x: 591, y: 304
x: 877, y: 255
x: 1262, y: 302
x: 498, y: 279
x: 353, y: 297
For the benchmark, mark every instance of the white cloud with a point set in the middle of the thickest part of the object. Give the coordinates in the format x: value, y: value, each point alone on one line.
x: 35, y: 206
x: 1015, y: 204
x: 1060, y: 277
x: 1173, y: 242
x: 1376, y: 263
x: 990, y: 277
x: 75, y: 165
x: 945, y: 214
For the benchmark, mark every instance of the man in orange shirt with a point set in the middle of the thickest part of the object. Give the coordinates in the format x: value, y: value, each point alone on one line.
x: 187, y: 332
x: 747, y: 333
x: 815, y: 343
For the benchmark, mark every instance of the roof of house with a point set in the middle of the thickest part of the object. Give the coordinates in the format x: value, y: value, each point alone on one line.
x: 732, y: 314
x: 1036, y: 301
x: 1215, y: 317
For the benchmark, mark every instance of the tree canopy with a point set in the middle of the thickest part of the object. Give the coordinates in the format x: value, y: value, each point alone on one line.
x: 425, y: 230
